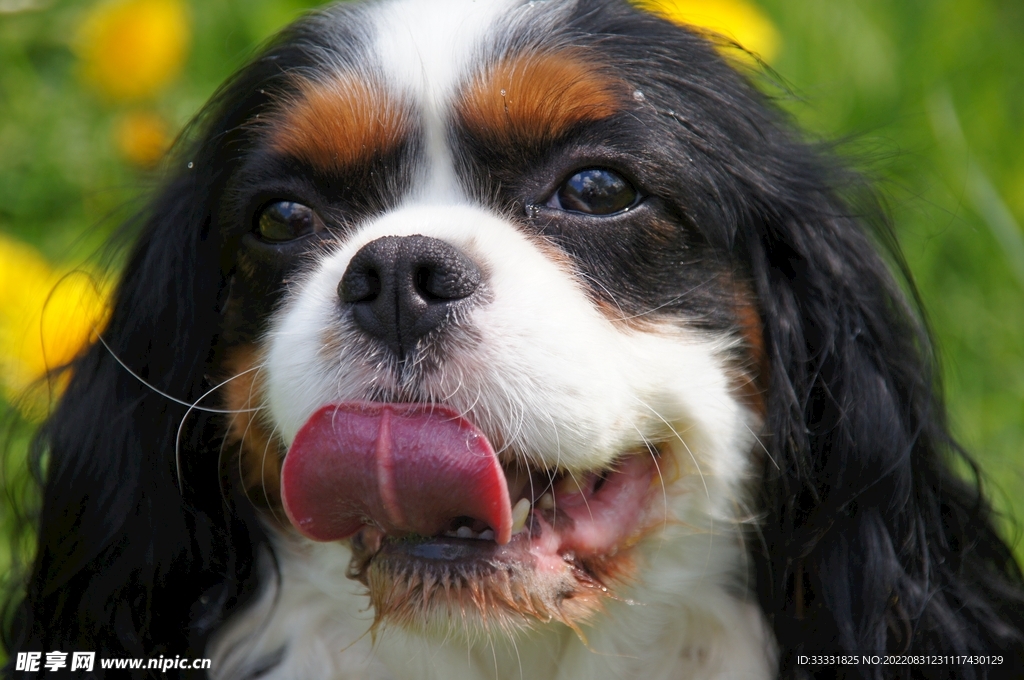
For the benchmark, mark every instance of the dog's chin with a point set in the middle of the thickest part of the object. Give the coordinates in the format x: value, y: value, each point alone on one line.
x: 575, y: 549
x: 451, y: 585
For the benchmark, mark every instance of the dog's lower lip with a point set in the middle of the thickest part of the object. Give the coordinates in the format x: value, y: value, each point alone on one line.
x: 443, y: 550
x: 446, y: 549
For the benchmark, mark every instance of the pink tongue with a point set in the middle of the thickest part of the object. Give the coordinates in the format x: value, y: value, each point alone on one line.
x: 405, y: 468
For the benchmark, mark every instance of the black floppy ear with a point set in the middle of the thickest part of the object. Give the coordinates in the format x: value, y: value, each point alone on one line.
x: 126, y: 564
x: 113, y: 526
x: 871, y: 543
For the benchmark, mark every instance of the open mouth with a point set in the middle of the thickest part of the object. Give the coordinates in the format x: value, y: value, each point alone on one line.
x: 428, y: 506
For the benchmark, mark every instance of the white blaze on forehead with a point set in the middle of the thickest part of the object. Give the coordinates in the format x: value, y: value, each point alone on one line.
x: 428, y: 46
x: 427, y: 49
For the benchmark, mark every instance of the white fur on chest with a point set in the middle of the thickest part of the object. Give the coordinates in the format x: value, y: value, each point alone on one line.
x: 682, y: 622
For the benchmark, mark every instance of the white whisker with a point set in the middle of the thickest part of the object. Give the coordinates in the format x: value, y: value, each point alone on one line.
x: 193, y: 406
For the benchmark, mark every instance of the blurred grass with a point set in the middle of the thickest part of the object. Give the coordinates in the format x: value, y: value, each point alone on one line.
x: 929, y: 93
x: 898, y: 78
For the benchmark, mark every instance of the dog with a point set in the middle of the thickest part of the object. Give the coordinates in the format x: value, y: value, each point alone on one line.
x: 512, y: 339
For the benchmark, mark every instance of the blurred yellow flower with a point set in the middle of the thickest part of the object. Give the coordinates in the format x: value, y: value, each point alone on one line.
x: 736, y: 20
x: 47, y: 317
x: 131, y: 49
x: 142, y: 137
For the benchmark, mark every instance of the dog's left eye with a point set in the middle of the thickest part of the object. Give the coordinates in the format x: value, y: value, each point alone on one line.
x: 286, y: 221
x: 595, y: 191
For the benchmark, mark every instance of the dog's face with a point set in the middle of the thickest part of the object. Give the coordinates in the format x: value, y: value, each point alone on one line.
x: 481, y: 338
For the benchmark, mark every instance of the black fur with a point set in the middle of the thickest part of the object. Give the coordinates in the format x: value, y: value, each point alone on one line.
x: 869, y: 543
x: 126, y: 565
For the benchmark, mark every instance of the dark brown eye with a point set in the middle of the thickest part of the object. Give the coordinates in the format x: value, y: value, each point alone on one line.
x: 286, y: 221
x: 595, y: 191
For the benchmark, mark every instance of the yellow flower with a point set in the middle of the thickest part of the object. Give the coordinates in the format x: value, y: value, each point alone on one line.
x: 736, y: 20
x: 47, y: 317
x: 142, y: 137
x: 131, y: 49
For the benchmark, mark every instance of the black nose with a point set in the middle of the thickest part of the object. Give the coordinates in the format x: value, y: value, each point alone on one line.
x: 403, y: 287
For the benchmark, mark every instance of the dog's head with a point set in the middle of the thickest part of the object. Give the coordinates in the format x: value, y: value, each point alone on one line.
x: 494, y: 339
x: 521, y: 308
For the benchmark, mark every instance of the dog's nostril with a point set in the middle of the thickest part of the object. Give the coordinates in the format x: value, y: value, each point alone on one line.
x: 422, y: 281
x: 361, y: 287
x: 440, y: 281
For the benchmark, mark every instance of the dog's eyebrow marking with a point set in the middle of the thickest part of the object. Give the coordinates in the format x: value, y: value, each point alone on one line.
x: 534, y: 98
x: 337, y: 123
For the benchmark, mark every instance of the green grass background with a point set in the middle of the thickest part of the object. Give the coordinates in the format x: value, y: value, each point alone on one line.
x: 929, y: 95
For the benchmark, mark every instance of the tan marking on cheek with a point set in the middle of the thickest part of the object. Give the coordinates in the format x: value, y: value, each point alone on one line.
x: 258, y: 452
x: 639, y: 323
x: 538, y: 97
x: 336, y: 124
x: 662, y: 234
x: 753, y: 378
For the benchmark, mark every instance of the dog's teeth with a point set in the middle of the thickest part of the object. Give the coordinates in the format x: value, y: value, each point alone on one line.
x: 486, y: 535
x: 465, y: 532
x: 520, y: 512
x: 546, y: 502
x: 568, y: 486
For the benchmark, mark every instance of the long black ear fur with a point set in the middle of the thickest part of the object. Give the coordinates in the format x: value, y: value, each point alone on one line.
x: 871, y: 544
x: 124, y: 559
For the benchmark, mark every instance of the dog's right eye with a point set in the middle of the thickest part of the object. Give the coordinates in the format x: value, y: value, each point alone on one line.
x: 283, y: 221
x: 595, y: 191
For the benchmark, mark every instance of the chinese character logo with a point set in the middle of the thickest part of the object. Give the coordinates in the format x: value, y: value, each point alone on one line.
x: 28, y: 661
x: 83, y: 661
x: 56, y: 660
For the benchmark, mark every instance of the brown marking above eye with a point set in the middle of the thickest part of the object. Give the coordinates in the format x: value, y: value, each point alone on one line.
x: 338, y: 123
x: 535, y: 98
